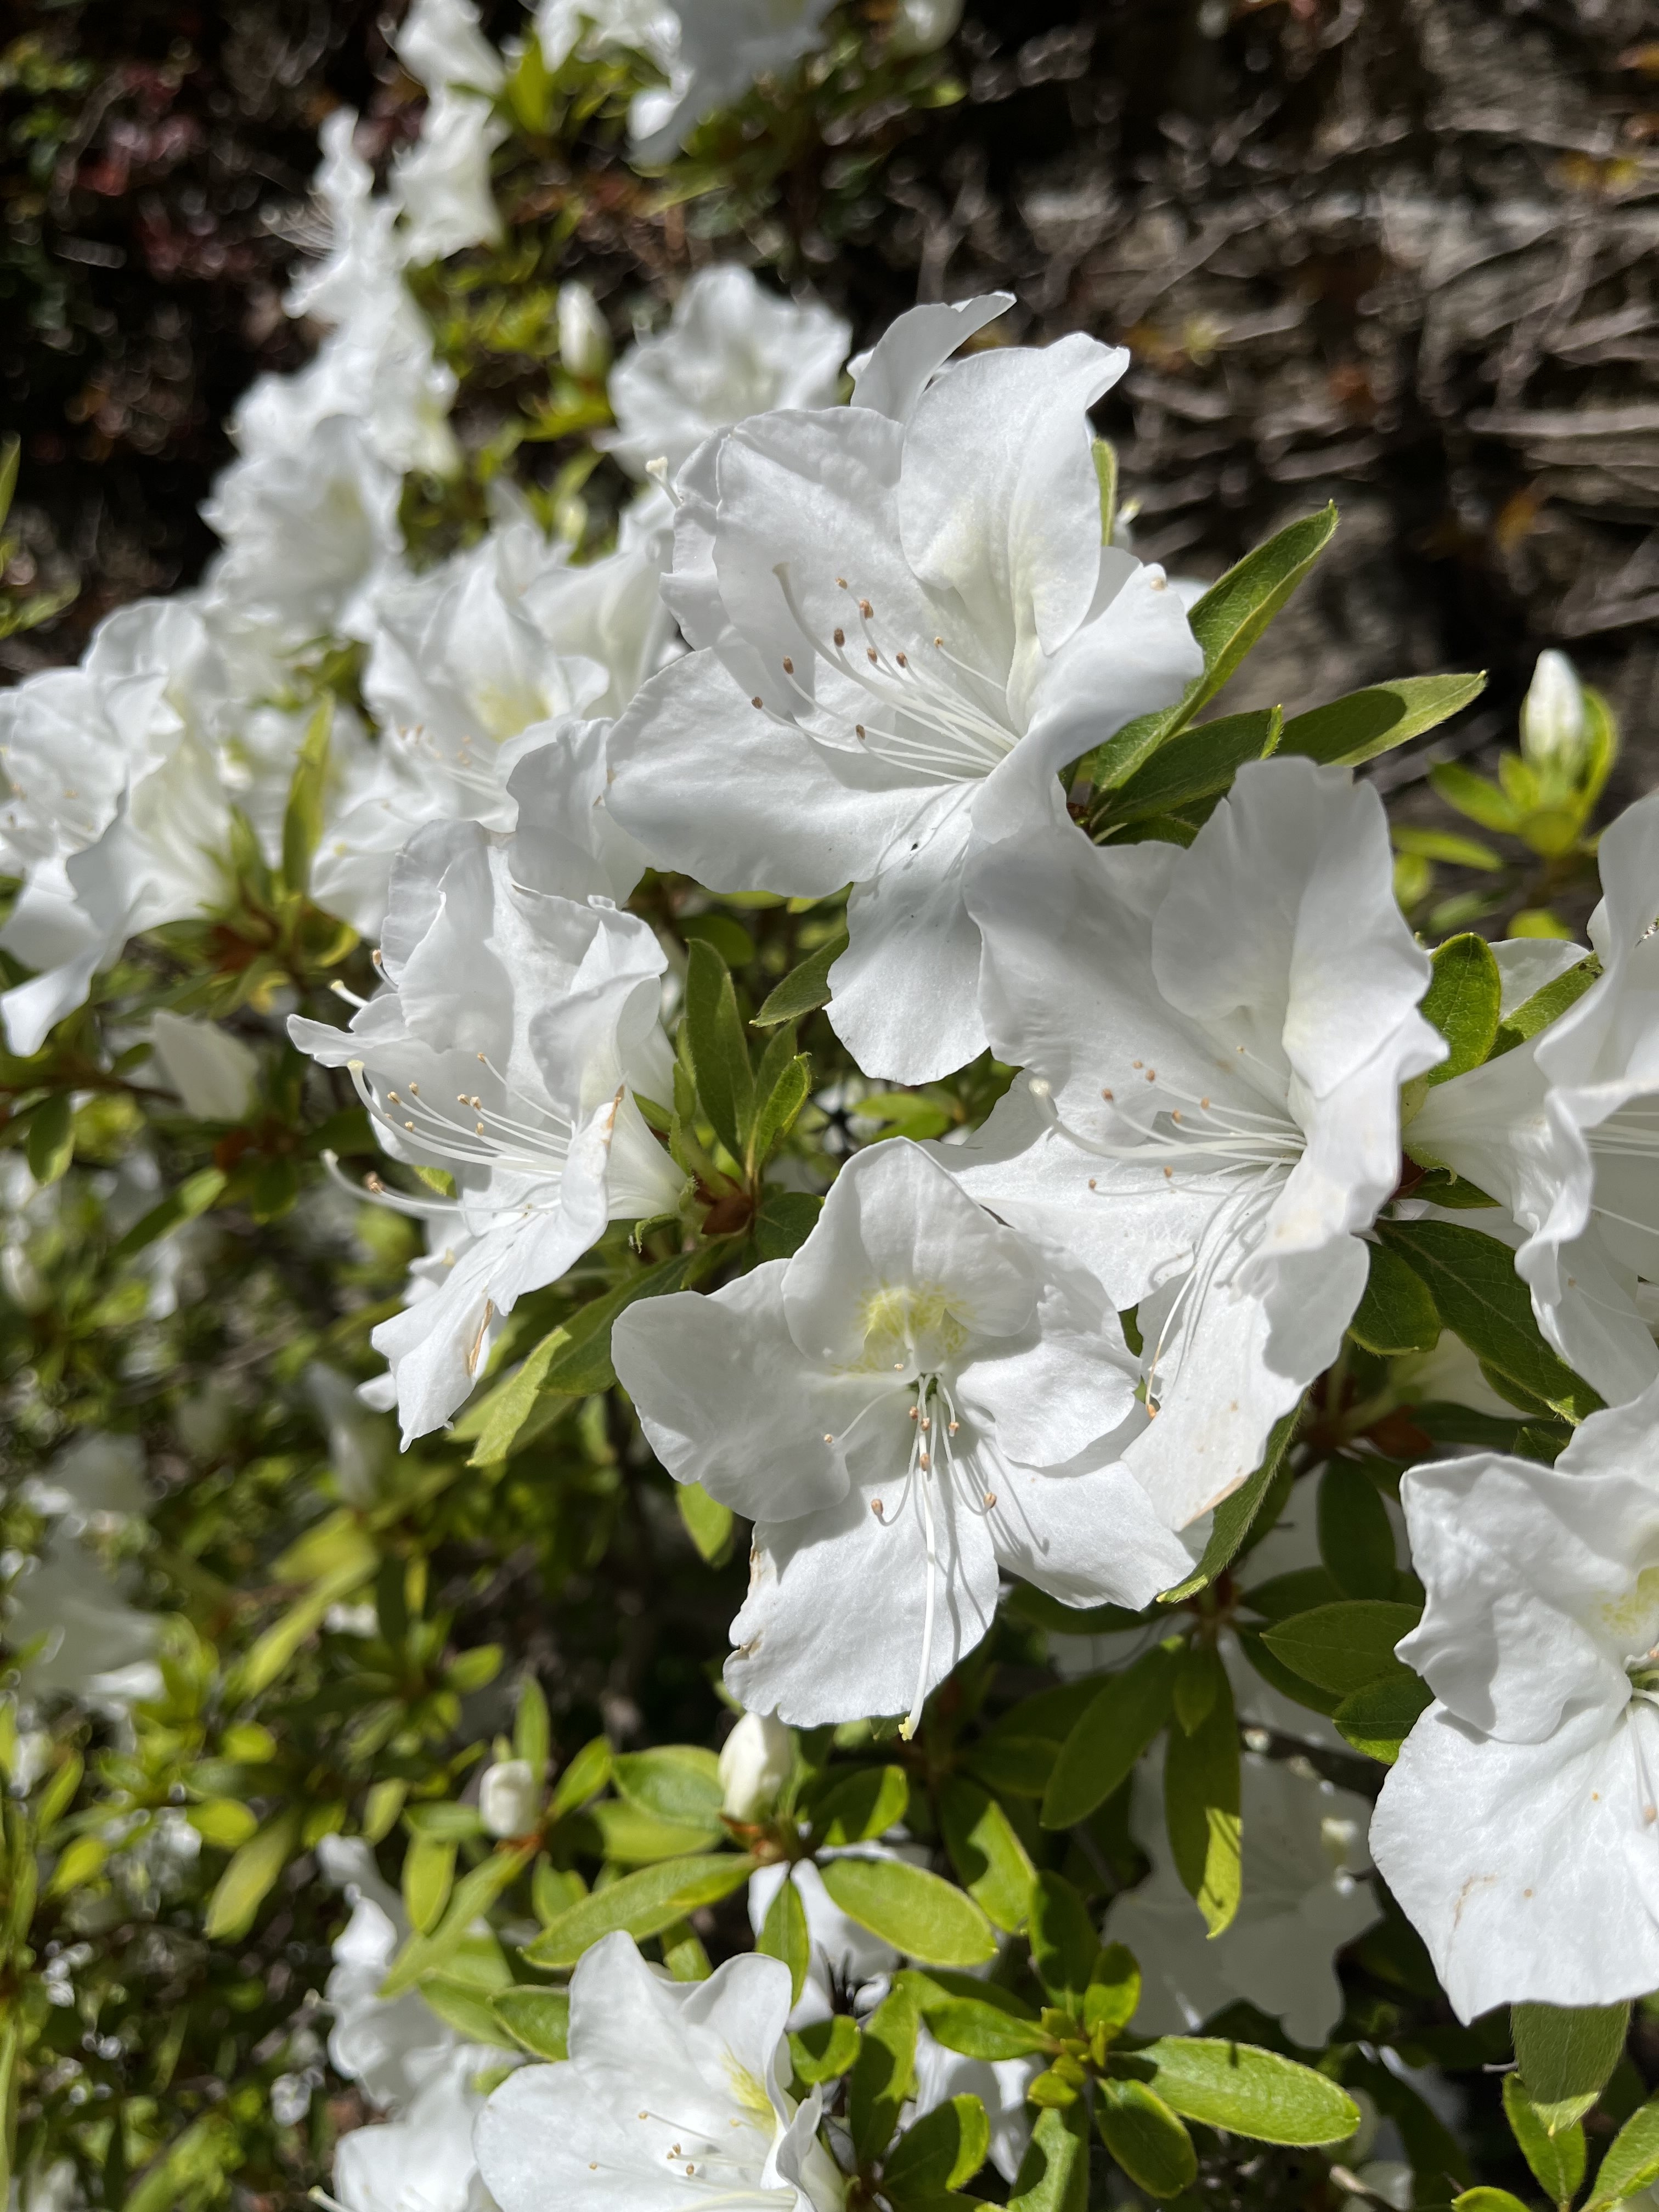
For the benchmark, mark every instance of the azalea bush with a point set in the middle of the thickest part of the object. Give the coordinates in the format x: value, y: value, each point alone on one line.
x: 721, y: 970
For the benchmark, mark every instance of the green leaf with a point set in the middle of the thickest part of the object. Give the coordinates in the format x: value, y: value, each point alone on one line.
x: 573, y: 1361
x: 50, y: 1144
x: 1064, y: 1944
x: 1201, y: 1808
x: 1377, y: 1719
x: 1363, y: 724
x: 642, y: 1903
x: 1544, y: 1007
x: 1472, y: 795
x: 472, y: 1895
x: 1198, y: 764
x: 883, y: 2075
x: 944, y: 2149
x: 1249, y: 2091
x: 538, y: 2019
x: 1488, y: 2200
x: 1556, y: 2160
x: 632, y: 1837
x: 781, y: 1085
x: 1443, y: 845
x: 1146, y: 2138
x: 1356, y: 1537
x: 303, y: 819
x: 193, y: 1196
x: 784, y: 1934
x: 1114, y: 1991
x: 1395, y: 1313
x: 707, y: 1522
x: 1199, y: 1682
x: 586, y: 1776
x: 824, y: 2052
x: 1472, y: 1280
x: 252, y: 1873
x: 785, y: 1221
x: 719, y: 1055
x: 533, y: 1739
x: 981, y: 2020
x: 1343, y: 1647
x: 1566, y: 2054
x: 1285, y: 1679
x: 1631, y: 2164
x: 428, y: 1876
x: 677, y: 1782
x: 915, y: 1911
x: 1233, y: 1517
x: 990, y: 1860
x: 1462, y: 1003
x: 864, y: 1805
x: 804, y: 989
x: 727, y: 935
x: 471, y: 2009
x: 1054, y: 2174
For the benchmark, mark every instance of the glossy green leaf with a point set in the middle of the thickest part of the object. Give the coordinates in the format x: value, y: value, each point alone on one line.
x: 979, y: 2018
x: 1146, y: 2138
x: 1343, y: 1647
x: 1544, y: 1006
x: 1566, y: 2054
x: 990, y: 1861
x: 1356, y: 1537
x: 942, y: 2150
x: 1112, y: 1995
x: 883, y: 2075
x: 1463, y: 1002
x: 629, y: 1836
x: 804, y: 989
x: 1198, y: 764
x: 428, y: 1876
x: 1395, y: 1313
x: 1556, y: 2160
x: 707, y: 1522
x: 1473, y: 796
x: 784, y: 1934
x: 50, y: 1145
x: 1472, y: 1280
x: 824, y: 2051
x: 677, y: 1782
x: 1054, y: 2174
x: 1249, y: 2091
x: 1201, y: 1810
x: 1233, y: 1518
x: 538, y: 2019
x: 249, y: 1879
x: 1631, y: 2164
x: 1064, y: 1944
x: 1363, y: 724
x: 1377, y: 1719
x: 1105, y: 460
x: 302, y: 819
x: 863, y: 1806
x: 781, y: 1083
x: 719, y: 1053
x: 642, y: 1903
x: 468, y: 2009
x: 1199, y: 1680
x: 915, y: 1911
x: 1126, y: 1714
x: 584, y: 1777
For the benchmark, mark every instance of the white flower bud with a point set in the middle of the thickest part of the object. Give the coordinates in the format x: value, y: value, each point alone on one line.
x: 755, y: 1763
x: 509, y: 1798
x: 1553, y: 718
x: 922, y: 26
x: 211, y: 1071
x: 584, y: 341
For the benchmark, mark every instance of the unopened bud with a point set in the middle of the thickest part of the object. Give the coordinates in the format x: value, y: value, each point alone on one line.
x: 755, y: 1763
x: 1552, y: 718
x: 584, y: 340
x: 509, y: 1798
x: 920, y: 27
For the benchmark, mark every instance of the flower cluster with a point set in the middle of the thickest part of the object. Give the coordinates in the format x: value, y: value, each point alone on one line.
x: 1146, y: 1181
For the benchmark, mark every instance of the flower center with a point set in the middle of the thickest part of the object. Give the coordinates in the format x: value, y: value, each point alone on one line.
x: 907, y: 1326
x: 488, y: 1135
x: 931, y: 713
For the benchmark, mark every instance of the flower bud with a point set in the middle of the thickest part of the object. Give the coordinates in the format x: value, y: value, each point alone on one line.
x: 584, y: 341
x: 920, y: 27
x: 755, y: 1763
x: 1553, y: 718
x: 509, y: 1798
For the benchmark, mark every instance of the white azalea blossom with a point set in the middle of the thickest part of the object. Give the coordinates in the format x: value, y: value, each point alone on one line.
x: 510, y: 1797
x: 918, y: 1401
x: 504, y: 1047
x: 97, y: 1647
x: 905, y: 624
x: 423, y: 2160
x: 1518, y: 1828
x: 722, y: 47
x: 441, y: 185
x: 1564, y: 1130
x: 1304, y: 1898
x: 673, y: 2093
x: 755, y: 1763
x: 213, y: 1072
x: 732, y: 348
x: 1214, y: 1041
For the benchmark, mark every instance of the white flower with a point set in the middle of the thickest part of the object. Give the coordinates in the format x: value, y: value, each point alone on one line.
x: 502, y: 1049
x: 672, y: 2092
x: 755, y: 1763
x: 469, y: 667
x: 442, y: 183
x: 922, y: 26
x: 97, y: 1649
x: 510, y: 1797
x: 112, y: 811
x: 311, y: 532
x: 96, y: 1482
x: 1552, y: 718
x: 213, y: 1072
x: 439, y: 43
x: 905, y: 625
x: 1214, y: 1041
x: 916, y: 1402
x: 723, y: 46
x: 1304, y: 1898
x: 731, y: 348
x: 1517, y: 1829
x: 584, y: 336
x: 359, y: 1443
x: 392, y: 2046
x: 1564, y: 1130
x: 648, y: 26
x: 1000, y: 2084
x: 423, y: 2162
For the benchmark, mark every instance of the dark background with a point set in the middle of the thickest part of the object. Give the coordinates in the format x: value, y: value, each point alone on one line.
x: 1399, y: 252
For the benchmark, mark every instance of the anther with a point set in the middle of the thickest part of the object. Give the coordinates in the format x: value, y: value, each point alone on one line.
x: 828, y: 1438
x: 414, y: 1090
x: 842, y: 580
x: 393, y: 1099
x: 901, y: 660
x: 377, y: 957
x: 1093, y: 1185
x: 915, y: 1414
x: 870, y: 653
x: 840, y: 634
x: 990, y: 1500
x: 1107, y: 1095
x: 875, y: 1507
x: 953, y: 1428
x: 938, y: 640
x: 789, y: 665
x: 1137, y: 1063
x: 866, y: 609
x: 1152, y: 1075
x: 757, y: 702
x: 1168, y: 1173
x: 859, y: 727
x: 924, y: 1463
x: 1176, y: 1116
x: 408, y: 1125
